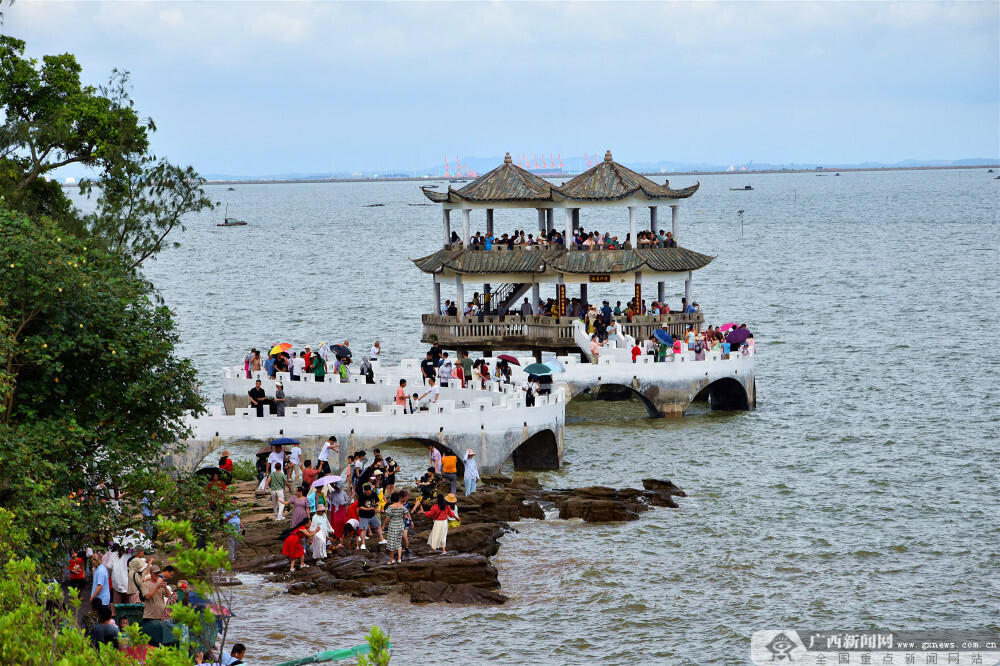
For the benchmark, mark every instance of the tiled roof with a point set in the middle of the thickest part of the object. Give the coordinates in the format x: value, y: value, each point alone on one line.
x: 607, y: 181
x: 537, y: 260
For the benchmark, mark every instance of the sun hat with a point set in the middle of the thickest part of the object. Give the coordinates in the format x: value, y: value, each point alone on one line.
x: 320, y: 506
x: 699, y: 337
x: 450, y: 497
x: 377, y: 472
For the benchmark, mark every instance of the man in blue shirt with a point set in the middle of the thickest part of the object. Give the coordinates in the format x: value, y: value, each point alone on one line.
x: 488, y: 243
x: 269, y: 366
x: 102, y: 586
x: 606, y: 312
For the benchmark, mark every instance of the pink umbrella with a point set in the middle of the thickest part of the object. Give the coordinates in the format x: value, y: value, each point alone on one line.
x: 726, y: 327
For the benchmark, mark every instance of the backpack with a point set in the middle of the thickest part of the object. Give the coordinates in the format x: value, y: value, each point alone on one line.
x: 138, y: 585
x: 698, y: 347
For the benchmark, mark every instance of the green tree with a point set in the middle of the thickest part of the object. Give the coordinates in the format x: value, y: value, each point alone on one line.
x: 379, y: 655
x: 53, y: 120
x: 95, y: 391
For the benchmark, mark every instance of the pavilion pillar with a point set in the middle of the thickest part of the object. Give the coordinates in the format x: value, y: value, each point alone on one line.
x: 437, y: 295
x: 576, y: 218
x: 568, y: 213
x: 654, y: 222
x: 536, y: 297
x: 661, y: 292
x: 466, y: 224
x: 460, y: 295
x: 550, y: 216
x: 561, y: 296
x: 541, y: 220
x: 489, y: 221
x: 675, y: 218
x: 638, y: 291
x: 687, y: 287
x: 583, y: 295
x: 446, y: 219
x: 633, y: 226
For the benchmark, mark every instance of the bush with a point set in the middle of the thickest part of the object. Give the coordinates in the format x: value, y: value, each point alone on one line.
x: 244, y: 470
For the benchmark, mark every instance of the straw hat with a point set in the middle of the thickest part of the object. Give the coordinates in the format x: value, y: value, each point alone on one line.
x: 450, y: 498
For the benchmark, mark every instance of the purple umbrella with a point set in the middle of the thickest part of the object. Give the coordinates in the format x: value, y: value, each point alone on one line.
x: 738, y: 337
x: 330, y: 478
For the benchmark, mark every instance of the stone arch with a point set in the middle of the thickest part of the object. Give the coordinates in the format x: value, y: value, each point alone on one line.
x: 540, y: 451
x: 726, y: 394
x: 444, y: 449
x: 622, y: 392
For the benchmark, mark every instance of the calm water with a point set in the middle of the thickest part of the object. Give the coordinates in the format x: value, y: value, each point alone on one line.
x: 862, y: 493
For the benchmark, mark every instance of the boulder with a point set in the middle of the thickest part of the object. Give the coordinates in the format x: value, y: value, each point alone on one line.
x: 531, y: 510
x: 595, y: 510
x: 436, y: 592
x: 528, y: 482
x: 665, y: 485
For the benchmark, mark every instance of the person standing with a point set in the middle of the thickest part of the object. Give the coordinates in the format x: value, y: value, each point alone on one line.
x: 367, y: 506
x: 471, y: 471
x: 395, y: 521
x: 279, y: 399
x: 320, y: 529
x: 375, y: 351
x: 449, y: 470
x: 256, y: 395
x: 77, y: 572
x: 319, y: 368
x: 100, y: 589
x: 428, y: 367
x: 294, y: 462
x: 255, y: 360
x: 277, y: 482
x: 431, y: 393
x: 298, y: 366
x: 401, y: 395
x: 466, y: 364
x: 323, y: 464
x: 439, y: 513
x: 299, y: 504
x: 595, y: 349
x: 435, y: 457
x: 234, y: 529
x: 309, y: 475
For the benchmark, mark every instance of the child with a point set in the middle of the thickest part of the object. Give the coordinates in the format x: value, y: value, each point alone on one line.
x: 77, y: 573
x: 293, y: 550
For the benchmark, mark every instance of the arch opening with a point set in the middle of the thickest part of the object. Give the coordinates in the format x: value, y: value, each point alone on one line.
x: 540, y: 451
x: 726, y: 395
x: 621, y: 393
x: 412, y: 463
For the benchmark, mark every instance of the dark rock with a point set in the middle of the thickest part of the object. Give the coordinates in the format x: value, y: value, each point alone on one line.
x: 529, y: 482
x: 661, y: 498
x: 665, y: 485
x: 531, y: 510
x: 595, y: 510
x: 478, y: 538
x: 433, y: 592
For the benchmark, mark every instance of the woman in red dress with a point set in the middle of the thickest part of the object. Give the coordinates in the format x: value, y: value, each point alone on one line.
x: 293, y: 550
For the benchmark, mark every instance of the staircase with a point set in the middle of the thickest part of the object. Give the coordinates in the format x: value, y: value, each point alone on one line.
x: 504, y: 297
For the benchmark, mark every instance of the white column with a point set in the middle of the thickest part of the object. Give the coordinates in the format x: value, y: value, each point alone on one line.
x: 568, y: 213
x: 576, y: 218
x: 550, y: 219
x: 489, y: 221
x: 675, y: 217
x: 541, y: 220
x: 536, y: 297
x: 446, y: 219
x: 460, y: 294
x: 633, y: 226
x: 466, y: 225
x: 654, y: 223
x: 687, y: 287
x: 437, y: 296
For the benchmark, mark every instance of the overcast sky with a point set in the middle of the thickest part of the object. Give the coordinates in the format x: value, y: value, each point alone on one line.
x: 272, y: 87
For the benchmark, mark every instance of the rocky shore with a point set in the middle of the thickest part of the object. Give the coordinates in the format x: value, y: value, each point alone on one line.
x: 465, y: 575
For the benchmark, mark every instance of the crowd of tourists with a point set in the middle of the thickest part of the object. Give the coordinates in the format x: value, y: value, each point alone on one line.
x: 362, y: 504
x: 581, y: 240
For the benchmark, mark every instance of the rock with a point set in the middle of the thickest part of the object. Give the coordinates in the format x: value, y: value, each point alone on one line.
x: 663, y: 485
x: 529, y: 482
x: 531, y: 510
x: 430, y: 592
x: 661, y: 498
x: 596, y: 510
x: 478, y: 538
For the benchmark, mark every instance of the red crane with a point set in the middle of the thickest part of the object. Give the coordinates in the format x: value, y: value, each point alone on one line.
x: 560, y: 162
x: 587, y: 157
x: 446, y: 174
x: 536, y: 160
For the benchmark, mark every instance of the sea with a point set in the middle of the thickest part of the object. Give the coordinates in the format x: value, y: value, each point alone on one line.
x: 860, y: 494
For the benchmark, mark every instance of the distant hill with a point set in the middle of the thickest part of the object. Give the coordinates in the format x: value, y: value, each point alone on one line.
x: 579, y: 164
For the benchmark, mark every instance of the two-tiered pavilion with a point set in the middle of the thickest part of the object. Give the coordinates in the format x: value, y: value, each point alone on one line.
x: 525, y: 269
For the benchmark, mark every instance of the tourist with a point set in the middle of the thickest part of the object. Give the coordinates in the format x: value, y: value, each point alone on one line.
x: 375, y: 351
x: 439, y: 513
x: 77, y: 572
x: 344, y: 370
x: 428, y: 367
x: 446, y: 372
x: 234, y: 528
x: 256, y: 395
x: 427, y: 484
x: 391, y: 468
x: 225, y: 462
x: 395, y: 521
x: 670, y: 242
x: 531, y: 388
x: 449, y: 470
x: 277, y: 455
x: 277, y: 483
x: 337, y: 514
x: 294, y: 462
x: 105, y: 631
x: 595, y: 349
x: 298, y: 367
x: 318, y: 365
x: 503, y: 371
x: 279, y: 399
x: 367, y: 507
x: 320, y: 529
x: 299, y: 504
x: 235, y: 656
x: 525, y: 309
x: 466, y: 363
x: 435, y: 457
x: 613, y: 332
x: 431, y: 394
x: 699, y: 347
x: 323, y: 461
x: 484, y: 373
x: 309, y: 474
x: 100, y: 588
x: 255, y: 361
x: 155, y: 592
x: 636, y: 352
x: 458, y: 374
x: 401, y: 395
x: 471, y: 471
x: 404, y: 498
x: 292, y: 546
x: 269, y: 366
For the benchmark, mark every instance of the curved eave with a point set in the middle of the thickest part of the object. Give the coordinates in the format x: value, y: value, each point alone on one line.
x: 660, y: 260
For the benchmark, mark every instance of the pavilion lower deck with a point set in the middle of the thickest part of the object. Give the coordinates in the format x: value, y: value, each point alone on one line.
x: 535, y: 333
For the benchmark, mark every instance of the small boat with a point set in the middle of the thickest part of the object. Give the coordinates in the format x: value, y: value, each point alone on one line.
x: 230, y: 221
x: 836, y: 174
x: 745, y: 188
x: 230, y: 189
x: 989, y: 171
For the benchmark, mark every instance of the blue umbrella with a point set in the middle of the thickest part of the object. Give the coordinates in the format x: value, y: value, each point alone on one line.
x: 538, y: 369
x: 282, y: 441
x: 663, y: 336
x: 556, y: 366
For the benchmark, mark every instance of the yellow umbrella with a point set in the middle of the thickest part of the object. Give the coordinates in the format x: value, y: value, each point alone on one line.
x: 277, y: 349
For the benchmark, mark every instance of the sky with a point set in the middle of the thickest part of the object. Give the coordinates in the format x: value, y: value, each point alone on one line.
x: 264, y: 88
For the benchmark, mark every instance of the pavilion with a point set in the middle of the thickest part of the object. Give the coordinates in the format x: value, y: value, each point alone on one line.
x: 524, y: 269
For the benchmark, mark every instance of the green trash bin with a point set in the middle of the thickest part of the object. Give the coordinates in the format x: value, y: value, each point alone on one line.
x: 131, y: 612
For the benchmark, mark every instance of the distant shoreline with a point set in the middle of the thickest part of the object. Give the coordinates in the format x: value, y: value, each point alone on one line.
x: 669, y: 174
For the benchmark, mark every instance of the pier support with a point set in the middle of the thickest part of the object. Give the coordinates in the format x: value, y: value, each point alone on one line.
x: 661, y: 292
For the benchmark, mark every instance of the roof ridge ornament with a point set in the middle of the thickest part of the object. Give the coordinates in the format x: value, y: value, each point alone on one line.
x: 607, y: 157
x: 507, y: 159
